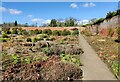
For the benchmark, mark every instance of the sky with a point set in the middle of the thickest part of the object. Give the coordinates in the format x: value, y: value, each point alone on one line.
x: 43, y: 12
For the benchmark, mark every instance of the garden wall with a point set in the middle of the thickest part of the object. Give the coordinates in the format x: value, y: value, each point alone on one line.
x: 103, y: 28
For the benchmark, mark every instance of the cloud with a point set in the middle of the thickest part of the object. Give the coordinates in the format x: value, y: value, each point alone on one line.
x: 29, y: 16
x: 74, y: 5
x: 82, y: 22
x: 14, y: 11
x: 2, y: 9
x: 41, y: 21
x: 46, y: 21
x: 89, y: 5
x: 36, y: 20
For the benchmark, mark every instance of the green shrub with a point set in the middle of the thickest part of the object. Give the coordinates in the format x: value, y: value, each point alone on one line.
x: 75, y: 32
x: 35, y: 39
x: 69, y: 58
x: 44, y: 58
x: 14, y: 31
x: 40, y: 31
x: 65, y: 32
x: 29, y: 40
x: 28, y: 60
x: 24, y: 32
x: 4, y: 39
x: 62, y: 41
x: 15, y: 58
x: 48, y: 51
x: 4, y: 36
x: 56, y: 33
x: 47, y: 31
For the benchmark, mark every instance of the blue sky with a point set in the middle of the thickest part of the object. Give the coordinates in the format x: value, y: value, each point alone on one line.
x: 43, y: 12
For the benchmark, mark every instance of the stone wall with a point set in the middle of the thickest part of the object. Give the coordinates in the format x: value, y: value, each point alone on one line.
x: 103, y: 28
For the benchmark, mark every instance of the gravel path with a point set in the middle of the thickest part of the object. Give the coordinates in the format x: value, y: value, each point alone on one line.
x: 93, y: 67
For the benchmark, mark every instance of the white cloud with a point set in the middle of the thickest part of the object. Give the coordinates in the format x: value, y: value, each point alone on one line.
x: 36, y: 20
x: 29, y: 16
x: 46, y: 21
x: 41, y: 21
x: 14, y: 11
x: 83, y: 22
x: 89, y: 5
x: 2, y: 9
x: 74, y: 5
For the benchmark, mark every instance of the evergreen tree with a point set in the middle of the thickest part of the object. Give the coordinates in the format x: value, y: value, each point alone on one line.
x: 16, y: 23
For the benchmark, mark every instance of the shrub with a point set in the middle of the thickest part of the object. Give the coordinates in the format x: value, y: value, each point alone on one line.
x: 40, y: 31
x: 86, y: 32
x: 61, y: 71
x: 28, y: 60
x: 42, y: 36
x: 65, y: 32
x: 33, y: 32
x: 24, y: 32
x: 14, y: 31
x: 4, y: 36
x: 56, y: 33
x: 35, y: 39
x: 36, y: 31
x: 48, y: 51
x: 3, y: 39
x: 51, y: 38
x: 75, y: 32
x: 110, y: 32
x: 29, y: 40
x: 47, y: 31
x: 118, y: 32
x: 15, y: 58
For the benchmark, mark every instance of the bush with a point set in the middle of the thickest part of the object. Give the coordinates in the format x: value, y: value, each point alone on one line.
x: 61, y: 71
x: 118, y: 32
x: 86, y: 32
x: 24, y: 32
x: 29, y: 40
x: 47, y: 31
x: 57, y: 50
x: 65, y: 32
x: 14, y: 31
x: 56, y: 33
x: 4, y: 36
x: 35, y: 39
x: 3, y: 39
x: 40, y: 31
x: 75, y: 32
x: 110, y: 32
x: 36, y: 31
x: 52, y: 38
x: 48, y: 51
x: 33, y: 32
x: 42, y: 36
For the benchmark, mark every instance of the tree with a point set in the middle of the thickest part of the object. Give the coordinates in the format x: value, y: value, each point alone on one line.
x: 110, y: 15
x: 66, y: 23
x: 71, y: 22
x: 16, y: 23
x: 99, y: 21
x: 53, y: 23
x: 118, y: 12
x: 26, y: 25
